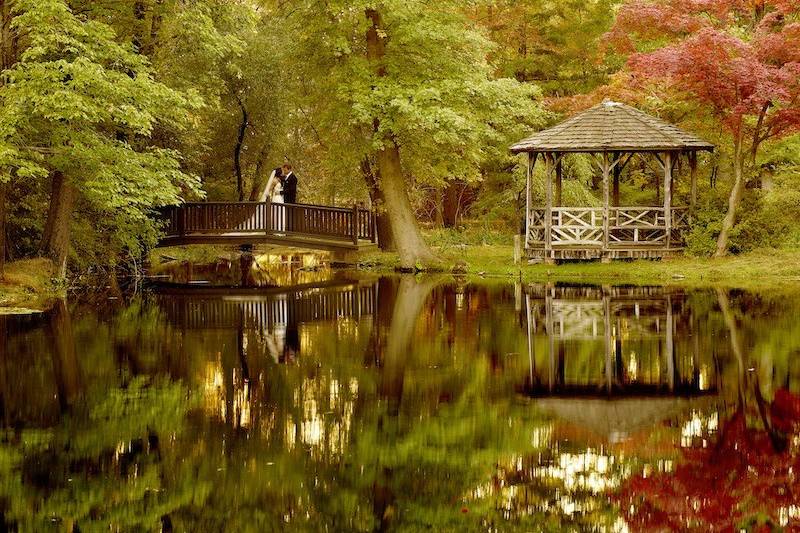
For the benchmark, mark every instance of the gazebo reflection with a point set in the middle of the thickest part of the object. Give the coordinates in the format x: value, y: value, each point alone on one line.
x: 613, y: 342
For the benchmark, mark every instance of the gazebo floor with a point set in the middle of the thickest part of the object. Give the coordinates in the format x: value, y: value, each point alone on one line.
x: 537, y: 253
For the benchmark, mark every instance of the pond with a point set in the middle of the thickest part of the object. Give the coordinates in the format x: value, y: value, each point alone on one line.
x: 357, y: 403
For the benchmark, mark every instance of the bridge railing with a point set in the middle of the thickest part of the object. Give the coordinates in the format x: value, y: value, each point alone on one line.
x: 219, y: 218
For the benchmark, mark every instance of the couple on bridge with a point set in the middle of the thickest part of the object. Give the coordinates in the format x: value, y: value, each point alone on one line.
x: 281, y: 187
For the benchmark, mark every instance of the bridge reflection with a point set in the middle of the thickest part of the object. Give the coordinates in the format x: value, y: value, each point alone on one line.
x: 262, y: 310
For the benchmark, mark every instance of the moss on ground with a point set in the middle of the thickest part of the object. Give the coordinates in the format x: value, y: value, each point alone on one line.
x: 28, y: 285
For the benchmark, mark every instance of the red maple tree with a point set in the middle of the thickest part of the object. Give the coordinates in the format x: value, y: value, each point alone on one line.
x: 739, y: 58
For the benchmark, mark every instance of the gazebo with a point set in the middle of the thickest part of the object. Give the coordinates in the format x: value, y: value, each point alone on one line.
x: 611, y: 133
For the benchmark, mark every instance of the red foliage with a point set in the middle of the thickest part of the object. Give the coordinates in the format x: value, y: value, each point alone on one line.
x: 705, y: 55
x: 741, y: 480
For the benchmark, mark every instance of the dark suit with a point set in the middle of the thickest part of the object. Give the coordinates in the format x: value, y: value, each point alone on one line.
x: 290, y: 188
x: 290, y: 197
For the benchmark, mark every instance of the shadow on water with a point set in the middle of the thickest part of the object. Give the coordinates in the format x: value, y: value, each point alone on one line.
x: 403, y: 403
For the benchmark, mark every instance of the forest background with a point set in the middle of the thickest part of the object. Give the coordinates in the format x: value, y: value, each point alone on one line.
x: 111, y: 109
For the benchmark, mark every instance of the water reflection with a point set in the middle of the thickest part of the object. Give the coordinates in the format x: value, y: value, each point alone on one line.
x: 403, y: 404
x: 247, y: 269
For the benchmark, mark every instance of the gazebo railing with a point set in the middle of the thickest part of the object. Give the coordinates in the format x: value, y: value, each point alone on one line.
x: 627, y: 227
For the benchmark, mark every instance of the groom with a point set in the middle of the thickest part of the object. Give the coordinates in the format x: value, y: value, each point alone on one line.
x: 290, y: 197
x: 289, y: 185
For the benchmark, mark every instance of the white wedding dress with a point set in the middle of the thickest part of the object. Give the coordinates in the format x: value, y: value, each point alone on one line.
x: 273, y: 192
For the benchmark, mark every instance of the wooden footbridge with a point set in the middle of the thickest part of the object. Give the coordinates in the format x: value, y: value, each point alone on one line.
x: 314, y: 227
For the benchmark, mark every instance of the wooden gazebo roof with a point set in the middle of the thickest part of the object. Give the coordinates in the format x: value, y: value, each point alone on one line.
x: 612, y: 126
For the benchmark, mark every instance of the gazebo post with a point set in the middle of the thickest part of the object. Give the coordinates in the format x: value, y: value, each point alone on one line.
x: 528, y: 175
x: 693, y: 178
x: 558, y: 183
x: 617, y: 172
x: 605, y: 257
x: 549, y: 158
x: 668, y: 197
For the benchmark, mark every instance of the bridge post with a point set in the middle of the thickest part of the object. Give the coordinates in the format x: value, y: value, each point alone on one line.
x: 181, y: 219
x: 268, y: 217
x: 355, y: 224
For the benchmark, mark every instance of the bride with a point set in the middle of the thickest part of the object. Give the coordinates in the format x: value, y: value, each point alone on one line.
x: 274, y: 192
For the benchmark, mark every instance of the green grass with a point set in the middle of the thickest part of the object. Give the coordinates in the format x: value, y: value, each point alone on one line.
x: 490, y: 254
x: 28, y: 285
x: 762, y: 268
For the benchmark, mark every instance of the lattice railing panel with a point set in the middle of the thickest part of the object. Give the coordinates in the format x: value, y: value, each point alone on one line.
x: 636, y: 217
x: 627, y: 226
x: 642, y: 236
x: 536, y: 226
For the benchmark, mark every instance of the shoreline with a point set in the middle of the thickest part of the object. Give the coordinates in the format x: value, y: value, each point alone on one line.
x: 29, y: 285
x: 759, y: 269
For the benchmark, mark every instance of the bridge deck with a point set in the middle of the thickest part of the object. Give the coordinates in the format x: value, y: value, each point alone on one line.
x: 314, y: 227
x: 290, y: 240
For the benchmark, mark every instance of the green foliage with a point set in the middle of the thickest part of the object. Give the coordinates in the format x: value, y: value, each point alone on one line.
x: 557, y: 45
x: 438, y: 99
x: 81, y: 103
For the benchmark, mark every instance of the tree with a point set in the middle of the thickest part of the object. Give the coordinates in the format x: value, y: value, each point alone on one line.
x: 8, y: 56
x: 739, y: 60
x: 79, y: 109
x: 403, y: 92
x: 554, y: 44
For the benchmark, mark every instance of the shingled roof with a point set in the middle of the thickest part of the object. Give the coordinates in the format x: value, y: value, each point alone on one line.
x: 611, y: 126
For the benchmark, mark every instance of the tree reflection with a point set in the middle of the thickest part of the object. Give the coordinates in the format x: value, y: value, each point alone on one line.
x: 739, y: 473
x: 400, y: 409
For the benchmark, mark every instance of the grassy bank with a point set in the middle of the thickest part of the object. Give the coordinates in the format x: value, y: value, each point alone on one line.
x: 28, y: 285
x: 494, y: 258
x: 762, y: 268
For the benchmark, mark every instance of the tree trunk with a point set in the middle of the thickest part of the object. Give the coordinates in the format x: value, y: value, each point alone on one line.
x: 8, y: 38
x: 237, y: 152
x: 451, y: 203
x: 438, y: 207
x: 411, y: 247
x: 55, y: 242
x: 8, y: 56
x: 407, y: 238
x: 734, y: 199
x: 385, y: 240
x: 3, y: 188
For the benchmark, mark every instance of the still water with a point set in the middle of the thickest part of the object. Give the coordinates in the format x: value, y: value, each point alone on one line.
x: 403, y: 404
